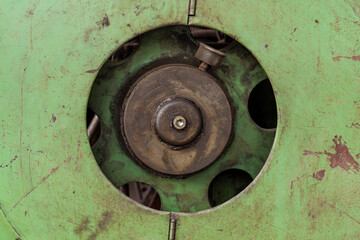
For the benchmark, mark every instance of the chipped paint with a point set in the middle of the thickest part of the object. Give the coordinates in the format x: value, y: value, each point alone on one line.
x: 319, y: 175
x: 66, y: 34
x: 341, y: 158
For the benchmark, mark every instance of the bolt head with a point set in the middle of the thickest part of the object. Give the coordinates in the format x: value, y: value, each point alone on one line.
x: 179, y: 122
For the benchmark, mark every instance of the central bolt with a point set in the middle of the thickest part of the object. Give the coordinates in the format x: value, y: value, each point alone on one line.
x: 179, y: 122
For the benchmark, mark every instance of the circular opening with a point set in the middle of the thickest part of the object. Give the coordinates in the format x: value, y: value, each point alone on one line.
x: 236, y: 75
x: 262, y: 105
x: 142, y: 193
x: 227, y: 185
x: 93, y: 127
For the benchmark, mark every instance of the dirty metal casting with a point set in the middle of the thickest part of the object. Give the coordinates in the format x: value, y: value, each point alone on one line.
x: 55, y: 185
x: 164, y: 94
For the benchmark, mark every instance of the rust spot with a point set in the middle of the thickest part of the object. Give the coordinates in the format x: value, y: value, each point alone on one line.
x: 319, y: 175
x: 266, y: 45
x: 341, y: 158
x: 356, y: 125
x: 317, y: 21
x: 105, y: 22
x: 8, y: 164
x: 306, y: 152
x: 354, y: 58
x: 294, y: 31
x: 53, y: 118
x: 140, y: 10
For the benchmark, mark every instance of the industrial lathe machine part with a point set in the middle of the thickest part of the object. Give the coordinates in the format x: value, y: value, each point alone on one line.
x: 179, y: 119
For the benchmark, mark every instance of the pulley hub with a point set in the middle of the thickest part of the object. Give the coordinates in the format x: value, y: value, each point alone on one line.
x: 177, y: 120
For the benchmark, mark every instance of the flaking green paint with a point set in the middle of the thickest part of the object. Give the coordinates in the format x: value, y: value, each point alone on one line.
x: 54, y: 188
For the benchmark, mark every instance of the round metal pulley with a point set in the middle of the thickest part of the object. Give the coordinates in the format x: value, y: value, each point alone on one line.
x: 166, y: 97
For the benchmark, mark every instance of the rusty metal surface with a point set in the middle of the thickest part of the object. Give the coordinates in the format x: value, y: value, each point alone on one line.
x: 166, y: 83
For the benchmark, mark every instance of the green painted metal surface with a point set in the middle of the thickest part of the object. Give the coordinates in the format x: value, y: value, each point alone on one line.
x: 51, y: 186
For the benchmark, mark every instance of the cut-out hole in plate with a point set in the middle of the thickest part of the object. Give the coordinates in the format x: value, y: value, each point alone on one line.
x: 142, y: 193
x: 227, y: 185
x: 262, y: 105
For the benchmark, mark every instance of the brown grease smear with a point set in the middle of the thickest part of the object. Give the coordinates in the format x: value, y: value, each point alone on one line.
x: 83, y: 226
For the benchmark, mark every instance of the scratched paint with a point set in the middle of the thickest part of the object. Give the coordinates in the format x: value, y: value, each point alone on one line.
x: 289, y: 193
x: 48, y: 174
x: 47, y: 48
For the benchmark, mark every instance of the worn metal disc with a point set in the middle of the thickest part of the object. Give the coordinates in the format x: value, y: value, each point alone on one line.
x: 177, y: 120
